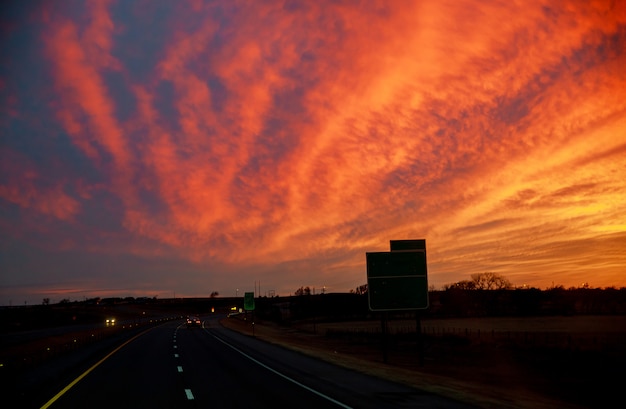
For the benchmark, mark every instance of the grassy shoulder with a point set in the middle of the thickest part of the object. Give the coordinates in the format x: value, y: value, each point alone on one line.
x: 473, y: 377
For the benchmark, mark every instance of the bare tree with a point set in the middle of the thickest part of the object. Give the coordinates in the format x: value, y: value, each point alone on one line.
x: 490, y: 281
x: 361, y: 290
x: 461, y: 285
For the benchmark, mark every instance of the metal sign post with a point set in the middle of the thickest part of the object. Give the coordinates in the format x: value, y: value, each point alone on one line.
x: 398, y: 281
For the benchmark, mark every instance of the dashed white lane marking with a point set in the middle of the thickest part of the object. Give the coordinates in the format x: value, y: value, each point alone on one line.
x: 189, y: 394
x: 180, y: 368
x: 175, y: 355
x: 175, y: 347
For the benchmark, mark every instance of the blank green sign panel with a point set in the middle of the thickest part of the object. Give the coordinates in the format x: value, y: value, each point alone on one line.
x: 397, y: 280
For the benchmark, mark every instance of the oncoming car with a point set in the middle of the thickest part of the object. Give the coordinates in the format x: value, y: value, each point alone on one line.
x: 193, y: 321
x: 110, y: 322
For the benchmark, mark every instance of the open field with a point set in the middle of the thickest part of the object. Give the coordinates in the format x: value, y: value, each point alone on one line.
x: 581, y: 332
x: 492, y: 362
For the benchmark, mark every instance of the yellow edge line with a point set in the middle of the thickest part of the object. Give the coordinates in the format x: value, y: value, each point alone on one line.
x: 75, y: 381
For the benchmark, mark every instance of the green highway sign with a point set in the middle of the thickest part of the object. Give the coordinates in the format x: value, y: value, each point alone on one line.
x: 401, y: 245
x: 397, y: 280
x: 248, y: 301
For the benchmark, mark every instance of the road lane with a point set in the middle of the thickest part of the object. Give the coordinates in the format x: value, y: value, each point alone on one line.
x: 219, y: 376
x: 141, y: 374
x: 351, y: 388
x: 172, y: 366
x: 175, y: 367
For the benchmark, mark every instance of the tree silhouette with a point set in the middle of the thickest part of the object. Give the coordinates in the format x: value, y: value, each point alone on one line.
x: 361, y: 290
x: 490, y: 281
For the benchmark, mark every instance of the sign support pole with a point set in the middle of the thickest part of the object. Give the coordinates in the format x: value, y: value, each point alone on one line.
x: 384, y: 329
x: 420, y: 339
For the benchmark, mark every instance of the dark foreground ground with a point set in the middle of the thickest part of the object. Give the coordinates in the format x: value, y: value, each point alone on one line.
x: 540, y: 362
x: 577, y: 367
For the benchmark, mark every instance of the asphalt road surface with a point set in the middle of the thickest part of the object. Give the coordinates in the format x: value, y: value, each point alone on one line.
x: 172, y: 366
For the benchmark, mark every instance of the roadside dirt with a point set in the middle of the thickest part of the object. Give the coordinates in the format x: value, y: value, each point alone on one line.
x: 483, y: 375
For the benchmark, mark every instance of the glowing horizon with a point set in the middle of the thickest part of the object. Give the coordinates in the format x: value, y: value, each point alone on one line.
x: 204, y: 146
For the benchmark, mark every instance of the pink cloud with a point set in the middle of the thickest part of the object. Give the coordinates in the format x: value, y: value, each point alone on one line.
x: 290, y: 134
x: 23, y: 188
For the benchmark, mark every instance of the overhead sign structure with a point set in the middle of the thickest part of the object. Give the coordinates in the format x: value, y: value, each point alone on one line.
x: 248, y: 301
x: 398, y: 280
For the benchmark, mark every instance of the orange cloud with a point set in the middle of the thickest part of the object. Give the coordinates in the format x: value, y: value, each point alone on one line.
x: 301, y: 137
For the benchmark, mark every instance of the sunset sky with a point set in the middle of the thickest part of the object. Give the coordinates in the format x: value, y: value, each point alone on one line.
x: 178, y: 148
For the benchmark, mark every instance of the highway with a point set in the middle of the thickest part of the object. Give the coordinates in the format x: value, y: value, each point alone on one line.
x: 172, y: 366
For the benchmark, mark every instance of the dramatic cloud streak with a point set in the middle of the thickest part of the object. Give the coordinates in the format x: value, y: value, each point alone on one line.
x: 200, y: 146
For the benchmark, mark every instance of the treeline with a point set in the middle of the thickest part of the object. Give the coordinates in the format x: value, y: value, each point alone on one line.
x: 491, y: 294
x: 452, y: 302
x: 528, y: 302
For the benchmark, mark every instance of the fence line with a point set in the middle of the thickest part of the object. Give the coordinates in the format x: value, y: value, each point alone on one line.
x: 525, y: 339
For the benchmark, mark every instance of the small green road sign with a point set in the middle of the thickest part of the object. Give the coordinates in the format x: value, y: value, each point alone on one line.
x: 397, y: 280
x: 248, y: 301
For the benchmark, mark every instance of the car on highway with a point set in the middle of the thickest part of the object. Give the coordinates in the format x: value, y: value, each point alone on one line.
x: 193, y: 321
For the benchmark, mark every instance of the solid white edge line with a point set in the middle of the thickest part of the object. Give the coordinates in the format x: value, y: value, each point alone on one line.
x: 281, y: 374
x: 189, y: 394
